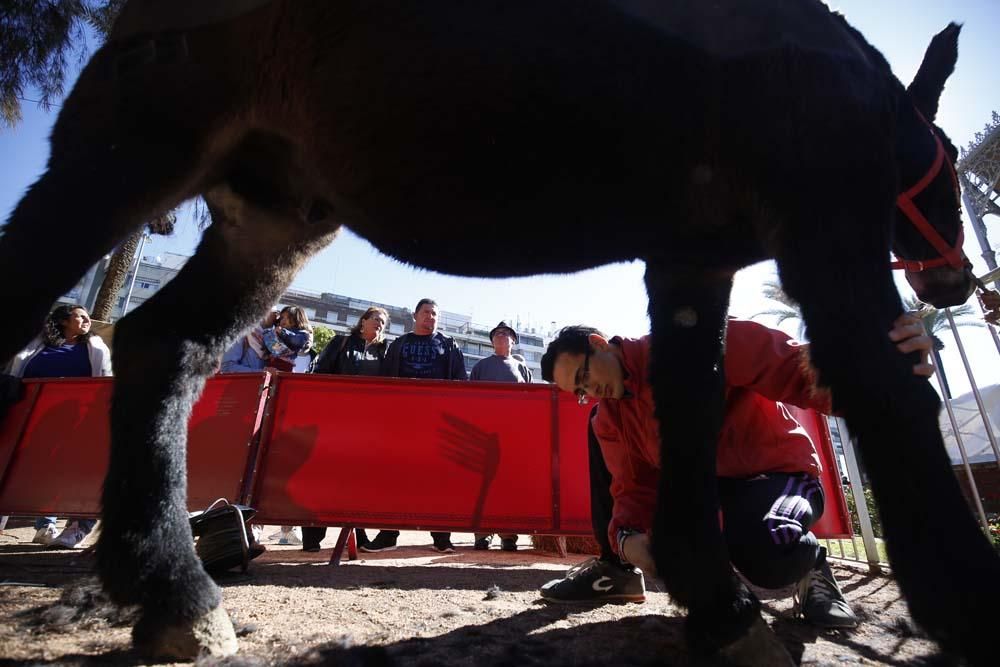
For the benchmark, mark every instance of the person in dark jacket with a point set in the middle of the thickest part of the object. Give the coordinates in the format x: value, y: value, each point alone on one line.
x: 425, y: 353
x: 360, y: 352
x: 501, y: 366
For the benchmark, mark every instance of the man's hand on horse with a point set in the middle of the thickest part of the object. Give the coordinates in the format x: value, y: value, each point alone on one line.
x: 990, y: 301
x: 909, y: 335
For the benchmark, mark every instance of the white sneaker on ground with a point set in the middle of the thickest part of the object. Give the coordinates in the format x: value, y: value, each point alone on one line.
x: 45, y: 535
x: 275, y: 535
x: 70, y: 538
x: 292, y: 537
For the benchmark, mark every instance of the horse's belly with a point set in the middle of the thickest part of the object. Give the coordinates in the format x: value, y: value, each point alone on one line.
x: 738, y: 28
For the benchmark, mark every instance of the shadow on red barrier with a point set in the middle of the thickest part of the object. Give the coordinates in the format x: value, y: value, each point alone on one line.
x: 54, y: 444
x: 420, y: 454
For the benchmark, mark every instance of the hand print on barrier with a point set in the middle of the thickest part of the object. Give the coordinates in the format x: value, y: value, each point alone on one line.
x: 473, y: 449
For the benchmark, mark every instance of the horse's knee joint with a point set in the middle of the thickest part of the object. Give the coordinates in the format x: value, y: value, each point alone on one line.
x: 686, y: 317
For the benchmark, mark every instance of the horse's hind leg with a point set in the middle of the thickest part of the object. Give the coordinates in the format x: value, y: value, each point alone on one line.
x: 164, y: 351
x: 687, y: 310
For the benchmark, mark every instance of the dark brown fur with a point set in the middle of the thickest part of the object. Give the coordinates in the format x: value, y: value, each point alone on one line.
x: 424, y: 127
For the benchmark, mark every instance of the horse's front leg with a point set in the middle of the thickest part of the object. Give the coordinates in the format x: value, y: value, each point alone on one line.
x: 943, y: 563
x: 164, y: 351
x: 687, y: 309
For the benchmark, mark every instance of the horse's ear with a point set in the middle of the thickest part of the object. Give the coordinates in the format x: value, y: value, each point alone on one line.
x: 939, y: 63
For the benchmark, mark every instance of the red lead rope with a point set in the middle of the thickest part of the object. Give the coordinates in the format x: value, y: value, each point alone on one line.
x: 950, y: 256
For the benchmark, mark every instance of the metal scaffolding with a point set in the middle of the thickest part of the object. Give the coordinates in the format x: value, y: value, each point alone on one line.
x: 979, y: 172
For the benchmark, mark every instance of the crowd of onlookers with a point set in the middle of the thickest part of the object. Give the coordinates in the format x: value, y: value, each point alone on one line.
x: 285, y: 337
x: 284, y: 341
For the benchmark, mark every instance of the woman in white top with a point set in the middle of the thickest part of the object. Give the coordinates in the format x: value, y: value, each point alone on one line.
x: 65, y: 348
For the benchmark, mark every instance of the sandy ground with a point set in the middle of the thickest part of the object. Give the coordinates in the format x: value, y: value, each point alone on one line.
x: 416, y: 607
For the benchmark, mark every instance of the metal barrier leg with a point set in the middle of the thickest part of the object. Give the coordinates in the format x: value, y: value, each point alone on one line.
x: 854, y: 475
x: 561, y: 546
x: 352, y: 544
x: 338, y: 550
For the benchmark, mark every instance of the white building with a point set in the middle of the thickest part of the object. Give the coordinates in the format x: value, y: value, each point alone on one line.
x: 333, y: 311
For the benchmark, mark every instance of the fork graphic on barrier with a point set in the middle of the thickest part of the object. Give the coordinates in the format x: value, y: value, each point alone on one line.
x: 473, y: 449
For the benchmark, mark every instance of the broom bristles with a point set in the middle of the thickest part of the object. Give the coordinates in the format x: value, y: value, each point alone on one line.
x: 575, y: 544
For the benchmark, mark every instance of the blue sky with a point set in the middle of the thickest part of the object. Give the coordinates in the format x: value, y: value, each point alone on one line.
x: 613, y: 297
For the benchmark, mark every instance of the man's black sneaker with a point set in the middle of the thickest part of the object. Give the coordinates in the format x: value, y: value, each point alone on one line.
x: 382, y: 542
x: 597, y: 581
x: 508, y: 544
x: 361, y: 538
x: 310, y: 547
x: 443, y: 546
x: 482, y: 543
x: 819, y: 599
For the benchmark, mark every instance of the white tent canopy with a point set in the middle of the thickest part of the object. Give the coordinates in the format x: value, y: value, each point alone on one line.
x: 971, y: 426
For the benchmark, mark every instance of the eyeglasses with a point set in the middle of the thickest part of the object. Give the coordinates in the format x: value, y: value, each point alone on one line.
x: 581, y: 390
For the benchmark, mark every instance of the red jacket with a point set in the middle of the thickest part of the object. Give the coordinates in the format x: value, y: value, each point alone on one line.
x: 764, y: 368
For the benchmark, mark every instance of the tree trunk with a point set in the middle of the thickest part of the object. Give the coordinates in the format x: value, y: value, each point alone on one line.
x: 114, y: 279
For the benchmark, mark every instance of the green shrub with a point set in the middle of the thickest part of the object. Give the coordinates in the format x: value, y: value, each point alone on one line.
x: 872, y: 511
x: 994, y: 524
x: 994, y: 521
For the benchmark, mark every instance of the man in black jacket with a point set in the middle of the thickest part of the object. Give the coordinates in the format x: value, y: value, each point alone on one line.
x: 424, y: 353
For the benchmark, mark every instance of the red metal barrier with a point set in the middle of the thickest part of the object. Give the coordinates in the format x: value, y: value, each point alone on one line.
x: 422, y: 454
x: 54, y: 444
x: 343, y: 451
x: 836, y: 521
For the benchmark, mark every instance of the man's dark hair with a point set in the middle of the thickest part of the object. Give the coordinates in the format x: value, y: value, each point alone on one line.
x: 424, y: 302
x: 573, y: 339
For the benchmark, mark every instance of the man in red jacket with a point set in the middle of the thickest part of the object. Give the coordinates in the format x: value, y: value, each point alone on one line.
x: 767, y: 467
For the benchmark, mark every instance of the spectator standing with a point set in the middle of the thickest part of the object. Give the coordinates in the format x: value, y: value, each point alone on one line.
x: 501, y: 366
x: 248, y: 355
x: 428, y: 354
x: 66, y: 348
x: 241, y: 358
x: 359, y: 352
x: 282, y: 337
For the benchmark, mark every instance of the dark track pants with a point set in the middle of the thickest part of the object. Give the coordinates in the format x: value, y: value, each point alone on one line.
x: 766, y: 520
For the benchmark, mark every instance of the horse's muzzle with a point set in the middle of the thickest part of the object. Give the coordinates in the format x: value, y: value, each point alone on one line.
x: 943, y: 287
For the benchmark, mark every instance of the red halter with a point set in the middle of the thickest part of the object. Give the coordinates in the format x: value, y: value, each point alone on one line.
x: 950, y: 256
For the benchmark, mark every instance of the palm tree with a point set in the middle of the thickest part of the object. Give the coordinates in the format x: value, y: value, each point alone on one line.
x: 935, y: 322
x: 789, y: 309
x: 121, y: 262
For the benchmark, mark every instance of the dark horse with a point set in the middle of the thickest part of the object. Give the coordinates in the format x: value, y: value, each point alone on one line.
x: 700, y: 137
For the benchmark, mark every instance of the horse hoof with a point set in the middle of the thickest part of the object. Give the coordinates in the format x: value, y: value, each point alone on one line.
x: 757, y: 648
x: 211, y: 634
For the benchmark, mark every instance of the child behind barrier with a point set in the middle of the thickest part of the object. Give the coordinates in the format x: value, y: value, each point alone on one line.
x: 281, y: 337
